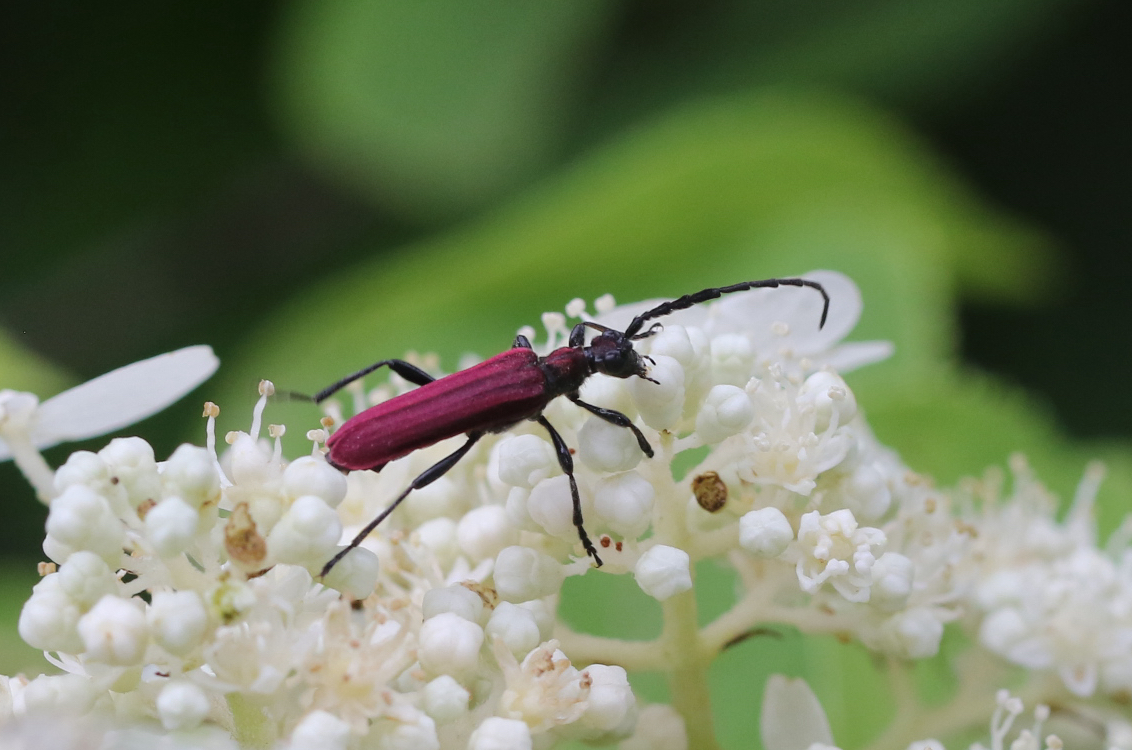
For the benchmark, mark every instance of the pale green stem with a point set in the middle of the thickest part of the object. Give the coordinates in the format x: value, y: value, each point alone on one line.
x: 634, y: 656
x: 252, y: 729
x: 680, y: 639
x: 31, y: 464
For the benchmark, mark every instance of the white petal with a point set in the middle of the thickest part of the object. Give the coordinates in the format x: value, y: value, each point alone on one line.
x: 850, y: 356
x: 792, y: 717
x: 123, y: 396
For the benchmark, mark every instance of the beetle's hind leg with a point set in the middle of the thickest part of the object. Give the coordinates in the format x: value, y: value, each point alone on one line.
x: 566, y: 461
x: 614, y: 417
x: 425, y: 478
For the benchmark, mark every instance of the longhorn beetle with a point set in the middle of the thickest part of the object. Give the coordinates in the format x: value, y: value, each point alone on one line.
x: 501, y: 392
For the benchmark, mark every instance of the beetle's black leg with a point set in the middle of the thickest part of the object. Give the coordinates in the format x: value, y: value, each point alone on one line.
x: 688, y: 300
x: 522, y: 342
x: 425, y: 478
x: 614, y: 417
x: 409, y: 372
x: 566, y: 461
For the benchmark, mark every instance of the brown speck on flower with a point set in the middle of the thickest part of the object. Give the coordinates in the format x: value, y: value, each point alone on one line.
x: 605, y: 541
x: 488, y: 594
x: 241, y: 539
x: 710, y: 491
x: 145, y: 507
x: 46, y: 568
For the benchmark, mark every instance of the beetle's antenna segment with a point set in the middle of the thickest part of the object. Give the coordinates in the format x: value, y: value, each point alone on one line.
x: 688, y: 300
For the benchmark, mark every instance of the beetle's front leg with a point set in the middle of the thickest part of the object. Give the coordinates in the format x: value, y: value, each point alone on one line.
x: 566, y: 461
x: 614, y: 417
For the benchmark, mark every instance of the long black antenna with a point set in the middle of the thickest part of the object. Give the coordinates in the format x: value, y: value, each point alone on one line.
x: 688, y: 300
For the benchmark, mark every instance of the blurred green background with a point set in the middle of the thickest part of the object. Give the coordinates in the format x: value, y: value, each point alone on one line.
x: 312, y: 185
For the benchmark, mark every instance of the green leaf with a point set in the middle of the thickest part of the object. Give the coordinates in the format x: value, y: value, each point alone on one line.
x: 434, y: 107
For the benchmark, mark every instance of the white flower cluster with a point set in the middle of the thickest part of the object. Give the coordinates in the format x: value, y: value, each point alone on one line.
x: 185, y: 592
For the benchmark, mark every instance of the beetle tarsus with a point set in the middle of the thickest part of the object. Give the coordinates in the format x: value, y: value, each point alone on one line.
x: 566, y: 461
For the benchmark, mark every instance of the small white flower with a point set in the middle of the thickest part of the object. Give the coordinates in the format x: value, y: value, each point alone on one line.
x: 177, y: 620
x: 59, y: 696
x: 181, y: 705
x: 483, y: 532
x: 830, y: 398
x: 625, y: 502
x: 320, y: 730
x: 445, y: 699
x: 605, y: 447
x: 732, y: 359
x: 49, y: 619
x: 114, y: 631
x: 496, y: 733
x: 80, y: 519
x: 515, y: 626
x: 170, y: 526
x: 522, y: 574
x: 414, y: 732
x: 355, y: 574
x: 307, y: 534
x: 663, y: 572
x: 727, y: 410
x: 132, y: 466
x: 190, y: 473
x: 311, y: 475
x: 525, y: 460
x: 457, y: 599
x: 661, y: 403
x: 449, y: 644
x: 86, y: 578
x: 611, y: 711
x: 892, y: 581
x: 832, y: 548
x: 765, y: 532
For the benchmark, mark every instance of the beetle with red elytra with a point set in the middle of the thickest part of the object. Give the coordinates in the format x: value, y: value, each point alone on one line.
x: 501, y: 392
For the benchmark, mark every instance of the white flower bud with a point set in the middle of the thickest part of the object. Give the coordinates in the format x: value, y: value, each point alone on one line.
x: 911, y: 634
x: 606, y: 447
x: 177, y: 620
x: 311, y: 475
x: 449, y: 644
x: 1003, y: 629
x: 86, y: 578
x: 496, y: 733
x: 60, y: 696
x: 484, y: 531
x: 191, y: 475
x: 663, y: 572
x: 612, y: 708
x: 114, y: 631
x: 320, y: 730
x: 660, y: 405
x: 355, y: 574
x: 892, y: 581
x: 247, y: 462
x: 181, y: 705
x: 828, y: 393
x: 415, y: 733
x: 84, y: 467
x: 440, y: 498
x: 659, y: 727
x: 170, y: 526
x: 80, y: 519
x: 544, y: 616
x: 765, y: 532
x: 727, y: 410
x: 525, y: 460
x: 551, y: 506
x: 625, y: 503
x: 131, y: 461
x: 445, y: 699
x: 307, y: 534
x: 515, y: 626
x: 49, y: 618
x: 522, y: 574
x: 608, y: 393
x: 439, y: 536
x: 866, y: 493
x: 732, y: 359
x: 457, y: 599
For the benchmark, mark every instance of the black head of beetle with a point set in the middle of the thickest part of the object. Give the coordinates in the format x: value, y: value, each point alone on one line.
x: 612, y: 353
